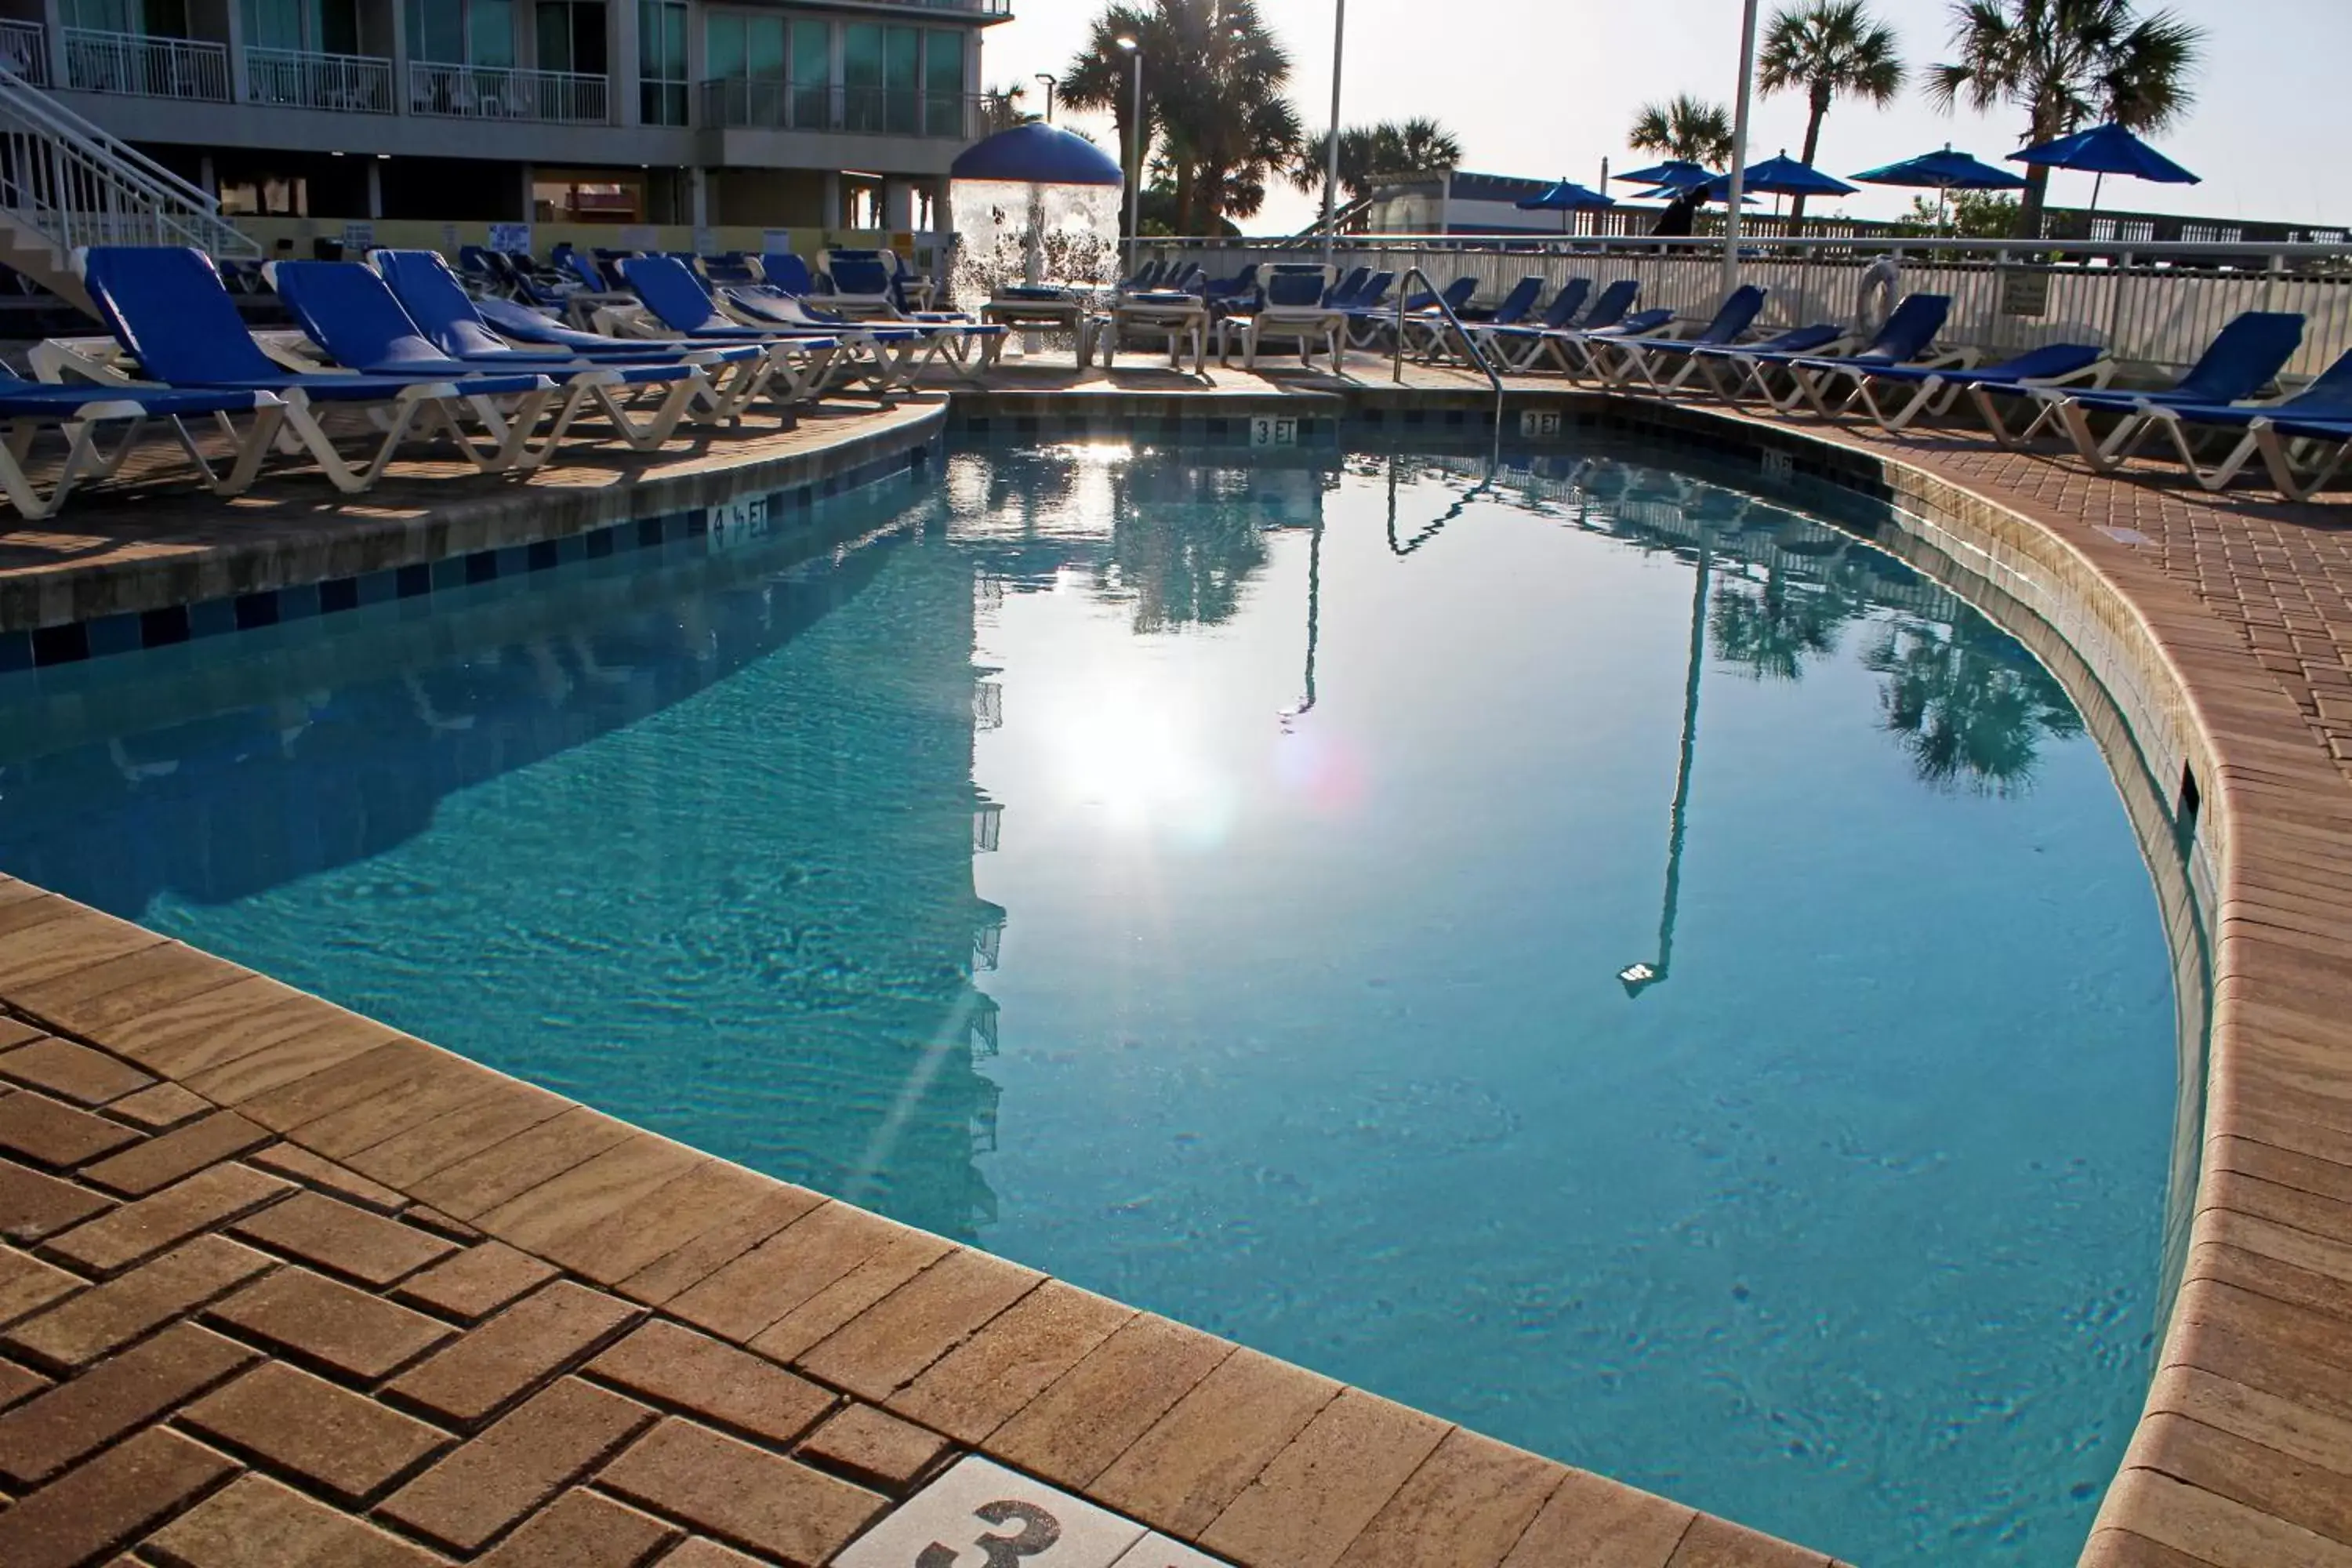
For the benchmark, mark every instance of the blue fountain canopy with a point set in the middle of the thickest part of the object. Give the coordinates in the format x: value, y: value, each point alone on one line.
x: 1946, y: 169
x: 2107, y: 149
x: 1037, y: 153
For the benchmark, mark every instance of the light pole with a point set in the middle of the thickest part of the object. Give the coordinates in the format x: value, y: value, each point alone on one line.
x: 1737, y: 193
x: 1051, y: 81
x: 1135, y: 143
x: 1332, y: 150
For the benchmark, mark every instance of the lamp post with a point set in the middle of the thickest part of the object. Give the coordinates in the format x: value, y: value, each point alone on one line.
x: 1051, y: 81
x: 1135, y: 143
x: 1739, y: 147
x: 1331, y: 149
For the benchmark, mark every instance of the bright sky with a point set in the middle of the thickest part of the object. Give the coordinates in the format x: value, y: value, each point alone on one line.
x: 1543, y: 88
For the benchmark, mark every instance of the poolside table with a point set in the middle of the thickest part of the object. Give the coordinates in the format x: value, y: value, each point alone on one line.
x: 1054, y: 311
x: 1176, y: 316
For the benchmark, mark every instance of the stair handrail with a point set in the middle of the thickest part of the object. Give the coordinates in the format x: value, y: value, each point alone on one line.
x: 182, y: 207
x: 1471, y: 347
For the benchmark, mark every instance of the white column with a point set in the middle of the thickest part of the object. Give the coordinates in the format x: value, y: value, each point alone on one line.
x: 53, y: 21
x: 834, y: 217
x: 622, y: 54
x: 207, y: 178
x: 374, y: 185
x: 898, y: 204
x: 529, y: 208
x: 237, y: 71
x: 697, y: 197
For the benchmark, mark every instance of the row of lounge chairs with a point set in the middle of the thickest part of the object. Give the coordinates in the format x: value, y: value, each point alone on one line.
x: 2216, y: 418
x: 853, y: 281
x: 399, y: 338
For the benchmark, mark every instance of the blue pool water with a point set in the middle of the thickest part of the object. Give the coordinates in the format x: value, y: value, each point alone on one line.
x: 1599, y: 957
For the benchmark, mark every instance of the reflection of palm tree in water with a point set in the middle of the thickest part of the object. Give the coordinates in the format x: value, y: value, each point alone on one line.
x: 1184, y: 564
x: 1968, y: 704
x: 1768, y: 628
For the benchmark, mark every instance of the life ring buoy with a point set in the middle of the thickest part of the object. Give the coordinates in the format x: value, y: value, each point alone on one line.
x: 1875, y: 297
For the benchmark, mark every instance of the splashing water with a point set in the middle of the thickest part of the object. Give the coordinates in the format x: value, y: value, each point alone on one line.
x: 1011, y: 232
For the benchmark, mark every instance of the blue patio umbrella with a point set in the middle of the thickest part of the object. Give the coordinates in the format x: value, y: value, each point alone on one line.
x: 1783, y: 176
x: 1674, y: 175
x: 2104, y: 150
x: 1565, y: 197
x: 1943, y: 173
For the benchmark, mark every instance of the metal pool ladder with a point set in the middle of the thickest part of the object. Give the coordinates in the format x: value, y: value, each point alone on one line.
x: 1470, y: 345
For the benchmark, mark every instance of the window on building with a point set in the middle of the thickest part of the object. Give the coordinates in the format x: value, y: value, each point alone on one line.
x: 570, y: 36
x: 812, y: 68
x: 880, y: 77
x: 317, y: 26
x: 661, y: 62
x: 155, y: 18
x: 743, y: 68
x: 462, y: 32
x: 943, y: 83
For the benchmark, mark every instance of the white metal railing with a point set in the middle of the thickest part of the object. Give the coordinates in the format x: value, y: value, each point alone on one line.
x: 351, y: 84
x: 24, y: 49
x: 74, y: 184
x: 505, y: 92
x: 145, y: 65
x: 2154, y: 306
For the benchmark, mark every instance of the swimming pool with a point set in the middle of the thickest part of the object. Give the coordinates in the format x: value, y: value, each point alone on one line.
x: 1593, y: 955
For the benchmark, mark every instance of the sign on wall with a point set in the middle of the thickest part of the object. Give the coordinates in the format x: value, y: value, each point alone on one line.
x: 510, y: 237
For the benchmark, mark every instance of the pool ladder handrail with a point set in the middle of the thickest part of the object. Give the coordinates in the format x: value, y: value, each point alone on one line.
x: 1470, y: 345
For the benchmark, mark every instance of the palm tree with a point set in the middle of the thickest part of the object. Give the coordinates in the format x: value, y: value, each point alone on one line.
x: 1416, y: 146
x: 1099, y: 78
x: 2065, y: 63
x: 1684, y: 128
x: 1213, y: 81
x: 1825, y: 48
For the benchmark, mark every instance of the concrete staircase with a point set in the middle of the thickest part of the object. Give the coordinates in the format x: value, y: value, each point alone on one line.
x: 65, y: 184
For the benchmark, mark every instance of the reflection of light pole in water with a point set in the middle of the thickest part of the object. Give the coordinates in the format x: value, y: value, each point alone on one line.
x: 1314, y: 616
x: 1639, y: 977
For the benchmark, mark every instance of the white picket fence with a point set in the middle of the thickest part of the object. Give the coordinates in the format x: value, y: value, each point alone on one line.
x: 2153, y: 307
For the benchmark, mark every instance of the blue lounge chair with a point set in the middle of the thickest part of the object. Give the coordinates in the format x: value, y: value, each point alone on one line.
x: 679, y: 304
x: 783, y: 269
x: 29, y: 407
x: 1619, y: 360
x: 349, y: 312
x: 1934, y: 390
x: 1293, y: 308
x: 1908, y: 337
x: 1707, y: 358
x: 1512, y: 309
x: 1560, y: 313
x: 166, y: 306
x: 1565, y: 346
x: 2243, y: 358
x: 2303, y: 440
x: 458, y: 326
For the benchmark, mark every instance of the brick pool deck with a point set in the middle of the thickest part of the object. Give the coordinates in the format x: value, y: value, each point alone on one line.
x: 282, y: 1286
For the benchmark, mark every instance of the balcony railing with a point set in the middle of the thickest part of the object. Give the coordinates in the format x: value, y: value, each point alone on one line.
x: 350, y: 84
x: 500, y: 92
x: 24, y: 49
x: 145, y: 65
x: 739, y: 105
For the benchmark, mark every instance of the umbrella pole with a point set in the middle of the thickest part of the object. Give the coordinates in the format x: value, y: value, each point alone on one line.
x: 2097, y: 180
